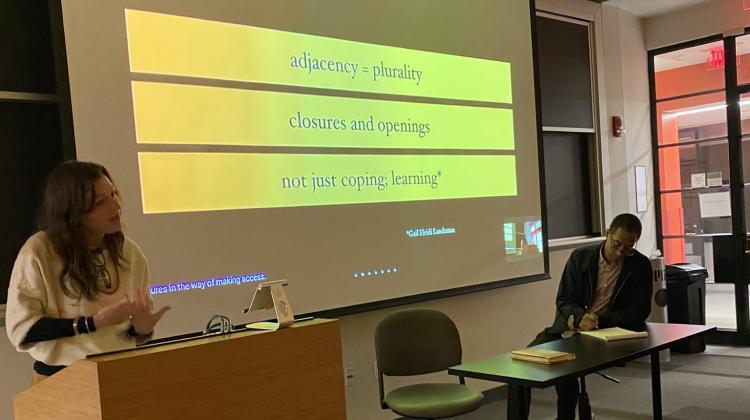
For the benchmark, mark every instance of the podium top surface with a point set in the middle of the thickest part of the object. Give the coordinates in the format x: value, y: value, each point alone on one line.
x: 197, y: 341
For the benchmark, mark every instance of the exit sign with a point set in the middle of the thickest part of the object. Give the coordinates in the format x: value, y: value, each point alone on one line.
x: 715, y: 59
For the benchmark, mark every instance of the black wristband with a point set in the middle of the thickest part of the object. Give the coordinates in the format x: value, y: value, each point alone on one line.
x: 90, y: 327
x: 81, y: 325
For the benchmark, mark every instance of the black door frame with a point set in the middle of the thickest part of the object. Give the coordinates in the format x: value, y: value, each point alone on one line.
x: 732, y: 94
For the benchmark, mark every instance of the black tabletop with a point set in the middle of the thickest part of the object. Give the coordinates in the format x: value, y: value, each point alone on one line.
x: 591, y: 355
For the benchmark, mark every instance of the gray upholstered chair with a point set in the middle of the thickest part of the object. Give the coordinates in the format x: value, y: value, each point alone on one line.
x: 416, y: 342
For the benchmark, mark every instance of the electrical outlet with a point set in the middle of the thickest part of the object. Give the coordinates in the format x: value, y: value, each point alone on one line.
x: 349, y: 376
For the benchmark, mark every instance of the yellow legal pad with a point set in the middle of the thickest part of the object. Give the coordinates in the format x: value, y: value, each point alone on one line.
x: 263, y: 325
x: 544, y: 356
x: 615, y: 333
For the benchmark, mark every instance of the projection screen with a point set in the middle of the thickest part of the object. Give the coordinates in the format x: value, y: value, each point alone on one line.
x: 366, y: 151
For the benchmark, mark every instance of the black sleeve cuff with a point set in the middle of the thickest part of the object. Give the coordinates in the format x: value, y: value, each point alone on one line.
x: 133, y: 333
x: 47, y: 329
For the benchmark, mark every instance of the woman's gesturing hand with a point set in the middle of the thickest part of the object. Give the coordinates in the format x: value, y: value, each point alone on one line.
x: 144, y: 319
x: 114, y: 313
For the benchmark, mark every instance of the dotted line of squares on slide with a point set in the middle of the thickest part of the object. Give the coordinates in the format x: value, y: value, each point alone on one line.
x: 375, y: 272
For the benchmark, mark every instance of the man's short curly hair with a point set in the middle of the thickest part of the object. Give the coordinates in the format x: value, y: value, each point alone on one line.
x: 628, y: 222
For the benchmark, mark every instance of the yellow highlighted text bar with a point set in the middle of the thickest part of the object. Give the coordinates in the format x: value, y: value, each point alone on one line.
x: 181, y: 182
x: 181, y: 46
x: 186, y: 114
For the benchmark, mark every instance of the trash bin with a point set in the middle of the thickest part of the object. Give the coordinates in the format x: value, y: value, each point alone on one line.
x: 686, y: 296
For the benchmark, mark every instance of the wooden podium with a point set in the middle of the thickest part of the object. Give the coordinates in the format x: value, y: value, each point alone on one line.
x: 292, y: 373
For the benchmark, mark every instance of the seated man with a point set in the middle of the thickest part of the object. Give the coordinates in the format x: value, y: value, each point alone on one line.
x: 605, y: 285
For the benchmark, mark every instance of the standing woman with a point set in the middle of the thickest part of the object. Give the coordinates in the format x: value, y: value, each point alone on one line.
x: 78, y: 286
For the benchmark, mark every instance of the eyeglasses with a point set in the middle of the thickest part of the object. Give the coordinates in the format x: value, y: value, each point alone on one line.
x: 103, y: 279
x: 619, y: 246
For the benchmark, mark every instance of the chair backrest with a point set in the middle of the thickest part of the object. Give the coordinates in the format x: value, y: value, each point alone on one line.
x: 415, y: 342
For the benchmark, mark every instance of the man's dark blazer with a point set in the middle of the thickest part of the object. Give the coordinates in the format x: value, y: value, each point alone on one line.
x: 631, y: 300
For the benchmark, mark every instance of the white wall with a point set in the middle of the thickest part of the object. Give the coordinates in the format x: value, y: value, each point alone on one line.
x: 702, y: 20
x: 501, y: 319
x: 626, y: 94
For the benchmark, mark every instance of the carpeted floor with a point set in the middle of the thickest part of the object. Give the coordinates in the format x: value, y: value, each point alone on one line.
x: 714, y: 385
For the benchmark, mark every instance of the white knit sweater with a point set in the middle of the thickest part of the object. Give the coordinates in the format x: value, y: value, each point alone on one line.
x: 35, y: 292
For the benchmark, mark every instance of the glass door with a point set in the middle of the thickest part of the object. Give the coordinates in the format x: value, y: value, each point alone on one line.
x: 741, y: 66
x: 697, y: 116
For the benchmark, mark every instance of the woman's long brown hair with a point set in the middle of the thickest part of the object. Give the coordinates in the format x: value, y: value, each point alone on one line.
x: 70, y: 194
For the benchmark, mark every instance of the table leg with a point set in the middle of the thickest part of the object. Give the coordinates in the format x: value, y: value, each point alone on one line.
x: 584, y: 406
x: 656, y: 384
x: 519, y: 401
